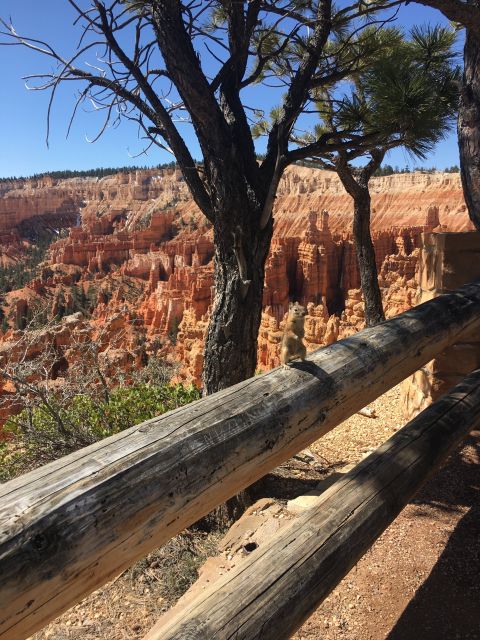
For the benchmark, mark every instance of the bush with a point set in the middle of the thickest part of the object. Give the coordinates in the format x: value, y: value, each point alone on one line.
x: 156, y: 371
x: 49, y: 431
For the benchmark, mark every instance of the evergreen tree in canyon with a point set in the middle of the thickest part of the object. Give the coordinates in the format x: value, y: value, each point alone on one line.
x: 210, y: 66
x: 412, y: 104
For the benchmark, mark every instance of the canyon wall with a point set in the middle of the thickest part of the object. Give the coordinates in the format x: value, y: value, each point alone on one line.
x: 137, y: 246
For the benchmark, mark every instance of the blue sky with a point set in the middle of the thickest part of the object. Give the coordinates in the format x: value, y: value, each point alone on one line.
x: 23, y: 113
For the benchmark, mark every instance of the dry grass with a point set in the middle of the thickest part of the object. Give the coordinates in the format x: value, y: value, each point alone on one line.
x: 129, y: 605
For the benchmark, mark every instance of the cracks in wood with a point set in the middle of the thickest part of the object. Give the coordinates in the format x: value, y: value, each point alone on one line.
x: 137, y: 475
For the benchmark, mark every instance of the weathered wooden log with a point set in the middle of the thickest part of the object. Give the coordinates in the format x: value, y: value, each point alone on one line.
x: 273, y: 591
x: 68, y: 527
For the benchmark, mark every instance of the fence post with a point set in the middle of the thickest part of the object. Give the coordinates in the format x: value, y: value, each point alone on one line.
x: 447, y: 261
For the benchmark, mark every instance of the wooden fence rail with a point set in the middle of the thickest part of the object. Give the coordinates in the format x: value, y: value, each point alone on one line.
x: 273, y: 591
x: 68, y: 527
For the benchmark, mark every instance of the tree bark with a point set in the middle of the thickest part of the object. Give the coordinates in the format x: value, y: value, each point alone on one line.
x: 357, y: 187
x: 466, y: 13
x: 231, y: 345
x: 366, y: 258
x: 469, y: 126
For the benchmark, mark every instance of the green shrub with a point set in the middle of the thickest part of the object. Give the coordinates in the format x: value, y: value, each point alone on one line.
x: 49, y: 431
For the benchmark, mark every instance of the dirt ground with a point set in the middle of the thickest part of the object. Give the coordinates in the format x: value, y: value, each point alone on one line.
x: 419, y: 581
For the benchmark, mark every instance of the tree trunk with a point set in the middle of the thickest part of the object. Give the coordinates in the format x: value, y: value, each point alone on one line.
x: 231, y: 344
x: 469, y: 127
x: 366, y: 259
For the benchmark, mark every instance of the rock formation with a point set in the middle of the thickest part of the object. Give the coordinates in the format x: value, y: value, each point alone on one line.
x: 138, y: 245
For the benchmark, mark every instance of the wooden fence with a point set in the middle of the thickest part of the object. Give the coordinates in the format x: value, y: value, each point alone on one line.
x: 70, y: 526
x: 283, y: 583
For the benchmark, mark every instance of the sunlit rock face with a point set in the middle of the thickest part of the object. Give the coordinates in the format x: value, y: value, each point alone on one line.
x: 136, y: 247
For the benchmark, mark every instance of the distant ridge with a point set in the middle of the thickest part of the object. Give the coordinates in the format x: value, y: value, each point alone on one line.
x: 99, y: 172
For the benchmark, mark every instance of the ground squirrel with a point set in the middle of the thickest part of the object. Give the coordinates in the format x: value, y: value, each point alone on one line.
x: 292, y: 341
x: 293, y: 347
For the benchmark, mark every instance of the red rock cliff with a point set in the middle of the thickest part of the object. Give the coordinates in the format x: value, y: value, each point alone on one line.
x: 138, y: 243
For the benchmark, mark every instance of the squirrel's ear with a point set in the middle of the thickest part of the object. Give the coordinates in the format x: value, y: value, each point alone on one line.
x: 290, y: 305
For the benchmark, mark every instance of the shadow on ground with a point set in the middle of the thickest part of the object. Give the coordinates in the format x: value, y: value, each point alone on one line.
x: 447, y: 605
x: 292, y: 479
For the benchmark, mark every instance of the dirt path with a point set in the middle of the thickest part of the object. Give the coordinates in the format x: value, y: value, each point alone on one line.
x: 420, y: 580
